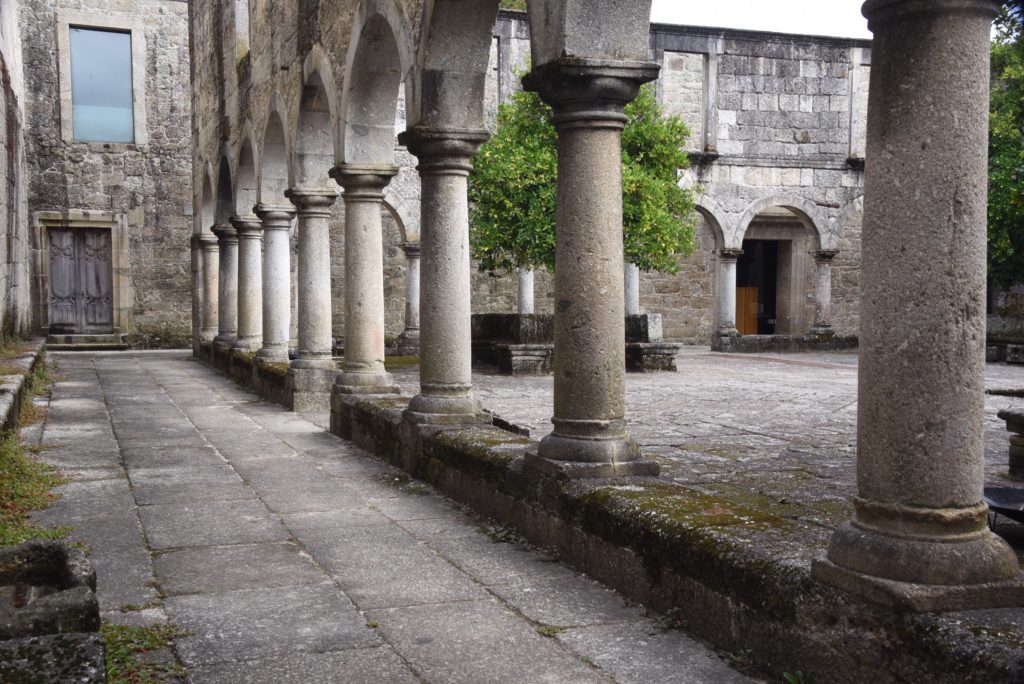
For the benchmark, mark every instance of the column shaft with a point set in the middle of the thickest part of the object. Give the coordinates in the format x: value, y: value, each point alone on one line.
x: 211, y: 273
x: 197, y: 292
x: 412, y: 287
x: 589, y: 366
x: 631, y: 281
x: 823, y: 291
x: 227, y: 296
x: 313, y: 208
x: 920, y: 535
x: 446, y: 381
x: 524, y: 278
x: 364, y: 279
x: 277, y: 221
x: 250, y: 283
x: 727, y: 292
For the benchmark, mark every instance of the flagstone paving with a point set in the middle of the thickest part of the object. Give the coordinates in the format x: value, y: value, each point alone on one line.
x: 289, y: 555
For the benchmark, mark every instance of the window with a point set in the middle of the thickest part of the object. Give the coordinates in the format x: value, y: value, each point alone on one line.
x: 101, y: 85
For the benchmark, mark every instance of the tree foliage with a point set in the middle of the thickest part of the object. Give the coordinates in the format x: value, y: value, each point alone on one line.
x: 512, y: 189
x: 1006, y: 150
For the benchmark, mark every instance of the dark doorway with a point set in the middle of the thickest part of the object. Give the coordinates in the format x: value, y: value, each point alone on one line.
x: 756, y: 287
x: 81, y: 281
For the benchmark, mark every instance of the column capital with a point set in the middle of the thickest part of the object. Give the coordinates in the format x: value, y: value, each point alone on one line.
x: 444, y: 150
x: 588, y: 92
x: 208, y: 242
x: 312, y: 201
x: 225, y: 233
x: 879, y: 12
x: 275, y: 216
x: 729, y: 254
x: 824, y: 256
x: 247, y: 226
x: 412, y: 249
x: 363, y: 182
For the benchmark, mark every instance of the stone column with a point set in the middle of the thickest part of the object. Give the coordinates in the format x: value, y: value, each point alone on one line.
x: 227, y: 241
x: 631, y: 280
x: 727, y: 292
x: 920, y: 537
x: 211, y: 271
x: 524, y: 278
x: 446, y: 378
x: 312, y: 372
x: 364, y: 279
x: 250, y: 283
x: 197, y: 292
x: 823, y: 291
x: 589, y: 437
x: 409, y: 340
x: 277, y: 252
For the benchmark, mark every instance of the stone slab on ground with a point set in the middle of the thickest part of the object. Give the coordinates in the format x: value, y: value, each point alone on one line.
x: 300, y: 558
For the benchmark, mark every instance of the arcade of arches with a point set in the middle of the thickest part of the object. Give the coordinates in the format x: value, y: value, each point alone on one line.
x: 301, y: 134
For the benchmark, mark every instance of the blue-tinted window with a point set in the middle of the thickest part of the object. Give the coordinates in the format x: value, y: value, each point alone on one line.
x: 101, y: 85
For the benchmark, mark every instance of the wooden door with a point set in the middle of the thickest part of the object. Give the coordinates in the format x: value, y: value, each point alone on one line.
x: 81, y: 281
x: 746, y: 310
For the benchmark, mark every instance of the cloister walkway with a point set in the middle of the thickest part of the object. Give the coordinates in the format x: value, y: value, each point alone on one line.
x: 289, y: 555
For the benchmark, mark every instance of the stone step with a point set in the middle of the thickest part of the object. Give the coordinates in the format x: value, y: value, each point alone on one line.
x: 94, y: 342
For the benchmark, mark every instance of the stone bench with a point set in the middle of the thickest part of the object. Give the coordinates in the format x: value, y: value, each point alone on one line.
x: 524, y: 344
x: 1015, y: 424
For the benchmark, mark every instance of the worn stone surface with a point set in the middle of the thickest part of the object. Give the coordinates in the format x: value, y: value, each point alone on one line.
x: 333, y: 566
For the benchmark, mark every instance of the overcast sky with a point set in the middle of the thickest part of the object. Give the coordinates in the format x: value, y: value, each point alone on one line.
x: 815, y: 17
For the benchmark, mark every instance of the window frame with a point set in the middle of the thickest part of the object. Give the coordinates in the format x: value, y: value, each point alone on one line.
x: 68, y: 19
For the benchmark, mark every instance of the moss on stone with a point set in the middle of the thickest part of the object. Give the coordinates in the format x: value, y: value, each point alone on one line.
x: 391, y: 362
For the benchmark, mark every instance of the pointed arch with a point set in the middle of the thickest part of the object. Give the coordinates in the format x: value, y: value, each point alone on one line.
x: 207, y: 203
x: 246, y: 185
x: 274, y: 153
x: 378, y: 59
x: 225, y: 193
x: 316, y: 123
x: 807, y: 212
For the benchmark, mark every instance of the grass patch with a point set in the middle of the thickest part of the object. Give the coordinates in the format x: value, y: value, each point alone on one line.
x: 25, y: 485
x: 38, y: 383
x: 13, y: 347
x: 127, y: 647
x: 549, y: 631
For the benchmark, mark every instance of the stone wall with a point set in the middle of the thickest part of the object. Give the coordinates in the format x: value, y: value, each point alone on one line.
x: 1006, y: 315
x: 15, y: 255
x: 147, y: 182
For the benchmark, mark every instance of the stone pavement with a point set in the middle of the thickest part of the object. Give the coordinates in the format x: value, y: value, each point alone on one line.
x: 288, y: 555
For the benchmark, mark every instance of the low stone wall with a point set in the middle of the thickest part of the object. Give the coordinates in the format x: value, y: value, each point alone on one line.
x: 760, y: 344
x: 669, y: 547
x: 12, y: 386
x: 269, y: 380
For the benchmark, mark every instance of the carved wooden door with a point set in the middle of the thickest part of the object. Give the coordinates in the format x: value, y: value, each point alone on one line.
x: 81, y: 281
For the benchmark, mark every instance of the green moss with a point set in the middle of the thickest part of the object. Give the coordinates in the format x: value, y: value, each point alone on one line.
x: 245, y: 357
x: 1006, y: 636
x: 475, y: 451
x: 126, y: 649
x: 279, y: 370
x: 549, y: 631
x: 392, y: 362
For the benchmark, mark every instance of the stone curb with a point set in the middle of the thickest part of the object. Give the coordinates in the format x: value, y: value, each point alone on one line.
x: 13, y: 386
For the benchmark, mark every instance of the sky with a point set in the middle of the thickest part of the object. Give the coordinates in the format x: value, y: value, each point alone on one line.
x: 814, y: 17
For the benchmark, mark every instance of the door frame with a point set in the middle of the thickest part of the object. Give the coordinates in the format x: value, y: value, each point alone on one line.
x: 122, y: 291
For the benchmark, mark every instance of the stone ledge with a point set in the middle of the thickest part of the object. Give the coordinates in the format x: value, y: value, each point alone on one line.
x: 756, y: 344
x: 674, y: 548
x: 12, y: 387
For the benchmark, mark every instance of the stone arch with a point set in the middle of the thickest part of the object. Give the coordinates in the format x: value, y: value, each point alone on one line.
x: 405, y: 213
x: 314, y: 125
x: 848, y: 212
x: 454, y: 50
x: 376, y: 66
x: 274, y: 154
x: 225, y: 193
x: 207, y: 204
x: 806, y: 211
x: 714, y: 217
x: 246, y: 185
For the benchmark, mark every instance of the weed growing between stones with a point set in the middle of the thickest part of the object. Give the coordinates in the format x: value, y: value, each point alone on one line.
x: 549, y: 631
x: 127, y: 648
x: 12, y: 347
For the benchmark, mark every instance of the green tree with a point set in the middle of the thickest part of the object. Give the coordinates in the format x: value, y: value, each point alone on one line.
x: 1006, y: 151
x: 512, y: 189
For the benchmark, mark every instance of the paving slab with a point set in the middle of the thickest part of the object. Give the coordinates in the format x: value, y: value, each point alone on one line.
x: 234, y: 568
x: 357, y: 666
x: 210, y: 523
x: 567, y: 602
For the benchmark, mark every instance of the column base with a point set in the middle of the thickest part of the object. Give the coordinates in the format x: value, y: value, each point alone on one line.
x: 822, y: 332
x: 579, y: 470
x: 921, y: 598
x: 924, y: 570
x: 207, y: 336
x: 315, y: 363
x: 247, y: 345
x: 272, y: 355
x: 310, y: 388
x: 227, y: 340
x: 408, y: 343
x: 373, y: 382
x: 445, y: 410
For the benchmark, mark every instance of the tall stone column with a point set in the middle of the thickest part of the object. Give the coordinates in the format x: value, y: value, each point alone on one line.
x: 631, y: 282
x: 446, y: 378
x: 312, y: 372
x: 823, y: 291
x: 250, y: 283
x: 920, y: 537
x: 211, y: 271
x: 197, y: 292
x: 277, y: 253
x: 589, y: 436
x: 364, y: 279
x: 227, y: 318
x: 409, y: 340
x: 524, y: 279
x: 727, y: 292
